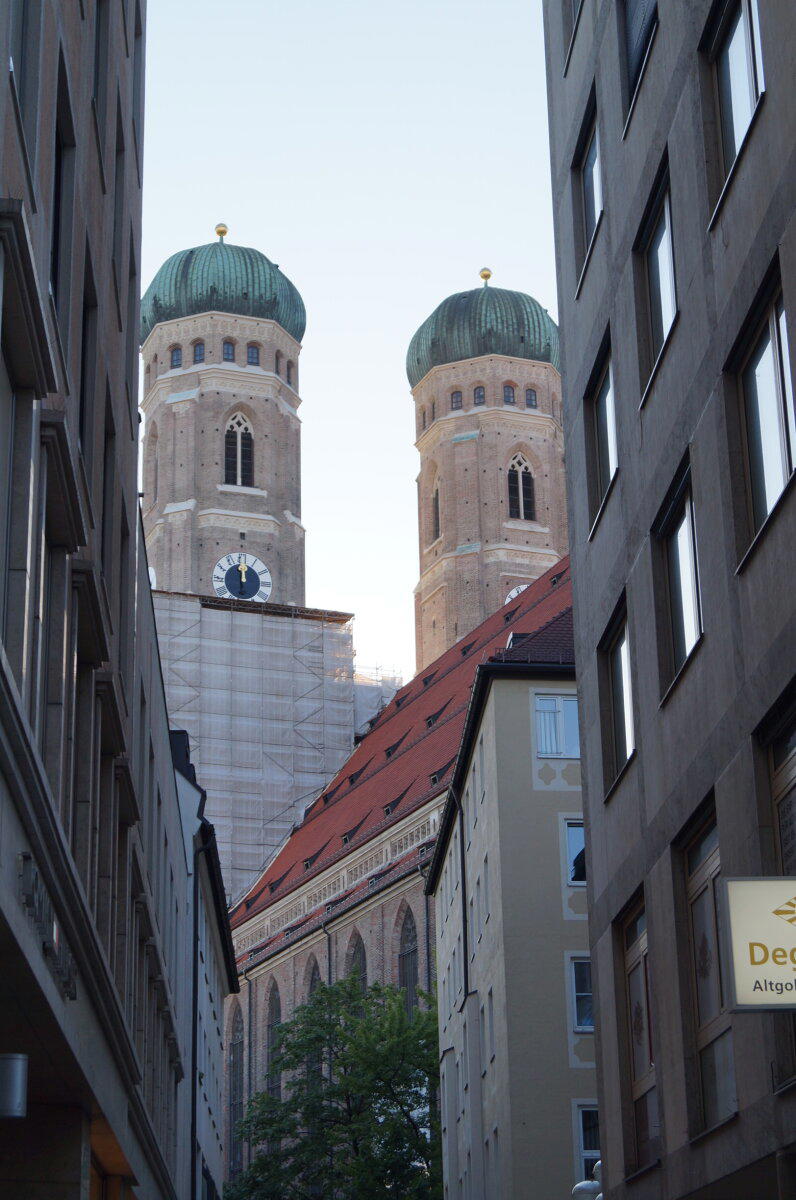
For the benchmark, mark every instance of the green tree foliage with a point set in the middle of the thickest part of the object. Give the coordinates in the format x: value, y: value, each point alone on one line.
x: 357, y: 1116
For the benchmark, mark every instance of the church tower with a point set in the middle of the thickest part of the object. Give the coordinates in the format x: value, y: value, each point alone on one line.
x: 484, y: 372
x: 221, y: 331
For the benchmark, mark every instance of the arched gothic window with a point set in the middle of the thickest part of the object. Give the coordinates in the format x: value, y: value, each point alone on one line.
x: 479, y: 395
x: 358, y: 962
x: 239, y: 452
x: 407, y: 961
x: 235, y: 1076
x: 509, y: 396
x: 176, y: 357
x: 315, y: 978
x: 522, y: 503
x: 253, y: 356
x: 198, y: 352
x: 456, y: 400
x: 273, y: 1077
x: 435, y: 525
x: 228, y: 352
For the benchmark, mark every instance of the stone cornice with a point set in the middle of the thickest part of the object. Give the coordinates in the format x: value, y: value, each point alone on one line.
x: 472, y: 420
x: 466, y: 364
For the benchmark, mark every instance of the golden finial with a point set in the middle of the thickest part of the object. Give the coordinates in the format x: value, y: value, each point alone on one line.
x: 486, y: 275
x: 222, y: 231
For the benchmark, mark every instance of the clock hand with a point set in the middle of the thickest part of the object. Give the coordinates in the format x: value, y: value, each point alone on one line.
x: 242, y: 568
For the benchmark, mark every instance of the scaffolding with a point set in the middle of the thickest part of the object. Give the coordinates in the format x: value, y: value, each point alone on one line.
x: 266, y: 694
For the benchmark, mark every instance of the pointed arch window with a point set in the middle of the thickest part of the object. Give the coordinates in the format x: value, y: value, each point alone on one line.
x: 253, y: 356
x: 315, y: 978
x: 407, y: 961
x: 522, y: 502
x: 435, y: 525
x: 235, y: 1076
x: 273, y: 1077
x: 239, y: 452
x: 198, y: 352
x: 358, y: 962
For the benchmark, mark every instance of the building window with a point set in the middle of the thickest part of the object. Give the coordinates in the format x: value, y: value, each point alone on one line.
x: 738, y: 68
x: 358, y: 963
x: 769, y: 417
x: 273, y: 1076
x: 198, y: 352
x: 433, y: 410
x: 658, y: 255
x: 479, y: 396
x: 176, y: 357
x: 783, y: 789
x: 456, y: 400
x: 435, y: 526
x: 605, y: 458
x: 622, y: 740
x: 713, y: 1032
x: 253, y: 356
x: 228, y: 352
x: 239, y: 452
x: 591, y: 193
x: 530, y: 398
x: 641, y: 18
x: 582, y: 1006
x: 681, y: 564
x: 557, y: 727
x: 407, y: 961
x: 589, y: 1141
x: 235, y: 1076
x: 509, y: 395
x: 289, y: 373
x: 642, y: 1063
x: 522, y: 504
x: 278, y: 362
x: 576, y: 853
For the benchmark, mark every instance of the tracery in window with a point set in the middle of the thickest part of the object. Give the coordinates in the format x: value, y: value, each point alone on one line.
x: 357, y: 961
x: 239, y: 452
x: 522, y: 502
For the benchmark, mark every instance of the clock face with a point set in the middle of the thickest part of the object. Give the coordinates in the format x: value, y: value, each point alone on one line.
x: 241, y: 576
x: 515, y: 591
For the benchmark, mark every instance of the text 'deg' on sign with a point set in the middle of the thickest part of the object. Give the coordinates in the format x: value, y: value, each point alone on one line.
x: 760, y: 942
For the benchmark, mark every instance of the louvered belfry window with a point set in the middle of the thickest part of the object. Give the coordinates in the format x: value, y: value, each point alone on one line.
x: 640, y: 20
x: 239, y: 452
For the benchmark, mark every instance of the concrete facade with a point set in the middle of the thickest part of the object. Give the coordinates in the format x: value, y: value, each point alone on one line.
x: 96, y: 934
x: 687, y: 741
x: 472, y: 552
x: 191, y: 515
x: 517, y: 1058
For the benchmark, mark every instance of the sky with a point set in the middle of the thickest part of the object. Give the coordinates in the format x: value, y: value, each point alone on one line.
x: 381, y: 154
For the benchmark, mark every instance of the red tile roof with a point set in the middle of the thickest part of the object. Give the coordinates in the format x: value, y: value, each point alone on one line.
x: 407, y: 757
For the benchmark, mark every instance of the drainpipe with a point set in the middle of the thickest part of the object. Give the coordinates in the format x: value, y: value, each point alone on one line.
x: 195, y: 1018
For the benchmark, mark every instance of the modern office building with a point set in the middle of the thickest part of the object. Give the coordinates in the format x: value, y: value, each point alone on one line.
x: 491, y: 496
x: 263, y: 685
x: 97, y: 1000
x: 517, y: 1079
x: 347, y: 888
x: 674, y: 182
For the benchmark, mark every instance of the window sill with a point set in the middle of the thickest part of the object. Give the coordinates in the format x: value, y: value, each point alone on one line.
x: 587, y: 257
x: 583, y: 1029
x: 763, y: 530
x: 656, y: 365
x: 733, y: 171
x: 620, y: 775
x: 576, y: 883
x: 705, y: 1133
x: 240, y: 489
x: 602, y: 506
x: 575, y: 25
x: 645, y: 1170
x: 786, y: 1085
x: 681, y: 670
x: 640, y: 80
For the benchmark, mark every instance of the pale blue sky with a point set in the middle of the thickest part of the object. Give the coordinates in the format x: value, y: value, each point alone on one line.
x: 381, y: 154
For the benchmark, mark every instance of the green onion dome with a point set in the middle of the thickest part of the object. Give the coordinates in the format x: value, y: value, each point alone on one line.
x: 222, y: 278
x: 486, y: 320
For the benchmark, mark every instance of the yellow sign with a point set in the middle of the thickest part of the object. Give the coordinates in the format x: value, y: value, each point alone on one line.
x: 760, y: 942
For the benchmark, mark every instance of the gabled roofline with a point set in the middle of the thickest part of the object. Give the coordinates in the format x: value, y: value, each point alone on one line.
x: 485, y: 675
